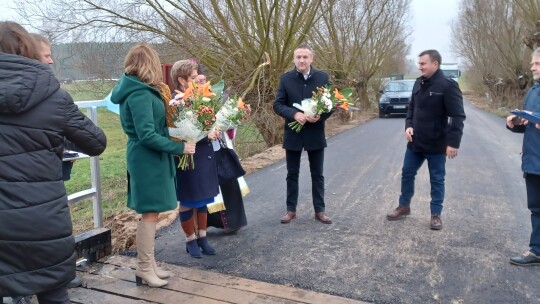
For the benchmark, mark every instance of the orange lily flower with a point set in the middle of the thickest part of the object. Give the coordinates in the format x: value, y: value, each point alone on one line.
x: 205, y: 90
x: 241, y: 104
x: 344, y: 106
x: 338, y: 95
x: 189, y: 92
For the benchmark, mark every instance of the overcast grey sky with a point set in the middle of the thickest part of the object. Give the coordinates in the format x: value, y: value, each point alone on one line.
x: 6, y: 11
x: 431, y: 24
x: 431, y: 21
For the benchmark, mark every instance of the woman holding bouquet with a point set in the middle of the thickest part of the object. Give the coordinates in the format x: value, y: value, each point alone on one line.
x: 195, y: 187
x: 150, y: 163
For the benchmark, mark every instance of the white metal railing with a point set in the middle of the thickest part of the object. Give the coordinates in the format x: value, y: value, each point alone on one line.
x: 95, y: 191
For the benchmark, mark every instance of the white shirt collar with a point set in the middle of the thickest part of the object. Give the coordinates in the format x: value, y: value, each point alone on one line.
x: 306, y: 76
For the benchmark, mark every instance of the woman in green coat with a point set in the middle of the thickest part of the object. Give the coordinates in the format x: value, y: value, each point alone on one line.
x: 150, y: 165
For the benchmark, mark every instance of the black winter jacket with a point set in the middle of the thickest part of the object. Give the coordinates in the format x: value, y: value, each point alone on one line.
x: 436, y: 114
x: 36, y: 242
x: 293, y: 88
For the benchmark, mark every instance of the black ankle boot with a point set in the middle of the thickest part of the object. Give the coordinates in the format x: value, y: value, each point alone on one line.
x: 193, y: 249
x: 205, y: 247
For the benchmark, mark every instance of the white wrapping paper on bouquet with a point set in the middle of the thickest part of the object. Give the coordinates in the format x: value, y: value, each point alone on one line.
x: 223, y: 123
x: 308, y: 106
x: 227, y: 116
x: 187, y: 130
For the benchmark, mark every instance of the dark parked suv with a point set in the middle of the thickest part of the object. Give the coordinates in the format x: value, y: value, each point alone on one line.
x: 395, y: 97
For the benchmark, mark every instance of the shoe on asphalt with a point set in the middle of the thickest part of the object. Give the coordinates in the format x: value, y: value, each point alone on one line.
x: 527, y: 259
x: 193, y: 249
x: 205, y: 247
x: 436, y: 222
x: 323, y: 218
x: 398, y: 213
x: 287, y: 218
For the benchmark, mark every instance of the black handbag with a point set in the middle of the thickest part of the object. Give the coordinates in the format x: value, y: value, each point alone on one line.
x: 228, y: 164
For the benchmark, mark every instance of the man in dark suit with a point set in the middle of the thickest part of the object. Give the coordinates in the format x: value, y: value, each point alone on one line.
x: 295, y: 86
x: 433, y: 129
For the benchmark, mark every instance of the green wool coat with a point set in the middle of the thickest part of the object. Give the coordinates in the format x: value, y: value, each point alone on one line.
x: 150, y: 163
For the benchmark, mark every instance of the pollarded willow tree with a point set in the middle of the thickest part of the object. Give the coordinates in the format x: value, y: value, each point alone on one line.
x: 530, y: 13
x: 358, y: 40
x: 248, y: 43
x: 489, y: 35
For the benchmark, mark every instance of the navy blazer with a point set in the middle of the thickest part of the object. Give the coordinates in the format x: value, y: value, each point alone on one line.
x: 202, y: 182
x: 436, y: 114
x: 293, y: 88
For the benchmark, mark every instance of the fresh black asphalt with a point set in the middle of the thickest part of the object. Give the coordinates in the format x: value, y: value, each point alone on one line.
x: 365, y: 257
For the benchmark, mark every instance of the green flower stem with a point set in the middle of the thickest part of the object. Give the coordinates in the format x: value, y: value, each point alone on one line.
x: 187, y: 162
x: 296, y: 126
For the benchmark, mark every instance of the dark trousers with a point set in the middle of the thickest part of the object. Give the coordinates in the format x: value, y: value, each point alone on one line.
x: 316, y: 162
x: 55, y: 296
x: 437, y: 170
x: 532, y: 182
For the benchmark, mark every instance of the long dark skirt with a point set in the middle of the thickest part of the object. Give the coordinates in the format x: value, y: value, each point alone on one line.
x: 234, y: 217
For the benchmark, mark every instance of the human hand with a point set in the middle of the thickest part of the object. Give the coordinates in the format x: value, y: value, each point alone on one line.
x: 409, y: 132
x: 451, y: 152
x: 213, y: 135
x: 512, y: 121
x: 189, y: 148
x: 300, y: 118
x: 313, y: 119
x: 177, y: 100
x: 538, y: 126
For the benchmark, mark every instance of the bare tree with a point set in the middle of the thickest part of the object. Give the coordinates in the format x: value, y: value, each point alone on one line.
x: 488, y: 35
x: 249, y: 43
x: 357, y: 40
x: 530, y: 13
x: 232, y: 38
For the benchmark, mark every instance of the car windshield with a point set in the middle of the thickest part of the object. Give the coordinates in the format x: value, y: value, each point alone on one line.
x: 399, y: 86
x: 450, y: 73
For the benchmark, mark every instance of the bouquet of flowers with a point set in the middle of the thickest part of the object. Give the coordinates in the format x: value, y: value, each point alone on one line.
x: 231, y: 113
x: 324, y: 100
x: 193, y: 117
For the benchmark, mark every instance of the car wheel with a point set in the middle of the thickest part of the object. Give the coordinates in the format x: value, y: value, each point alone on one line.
x: 381, y: 114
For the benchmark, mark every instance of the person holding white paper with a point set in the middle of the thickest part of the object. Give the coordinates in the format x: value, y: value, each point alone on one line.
x: 530, y: 163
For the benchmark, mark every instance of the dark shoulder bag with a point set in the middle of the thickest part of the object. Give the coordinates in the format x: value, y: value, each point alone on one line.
x: 228, y: 164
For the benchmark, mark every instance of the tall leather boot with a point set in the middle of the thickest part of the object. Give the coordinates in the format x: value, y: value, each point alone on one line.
x: 146, y: 234
x: 162, y: 274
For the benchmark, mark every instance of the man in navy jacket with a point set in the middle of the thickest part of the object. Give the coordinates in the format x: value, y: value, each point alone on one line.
x: 531, y: 163
x: 433, y: 129
x: 295, y: 86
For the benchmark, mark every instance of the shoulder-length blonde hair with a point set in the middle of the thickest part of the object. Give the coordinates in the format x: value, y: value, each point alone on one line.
x: 143, y: 61
x: 183, y: 69
x: 14, y: 39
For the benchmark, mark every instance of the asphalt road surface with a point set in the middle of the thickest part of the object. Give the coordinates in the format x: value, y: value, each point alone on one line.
x: 365, y: 257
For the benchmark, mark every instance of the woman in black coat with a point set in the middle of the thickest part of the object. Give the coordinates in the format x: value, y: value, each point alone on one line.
x: 36, y: 242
